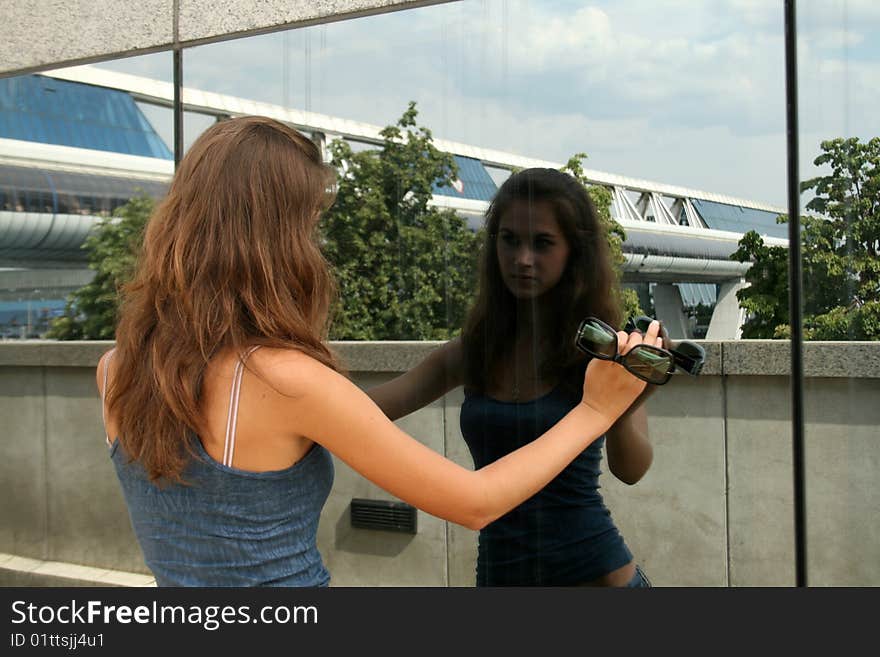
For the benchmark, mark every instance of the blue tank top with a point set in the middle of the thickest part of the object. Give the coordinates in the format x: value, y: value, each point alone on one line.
x: 564, y: 534
x: 230, y: 527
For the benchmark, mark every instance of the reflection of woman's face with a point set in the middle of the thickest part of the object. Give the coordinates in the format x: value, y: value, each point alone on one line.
x: 532, y: 250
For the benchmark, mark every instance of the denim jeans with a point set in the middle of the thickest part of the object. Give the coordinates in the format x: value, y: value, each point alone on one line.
x: 639, y: 580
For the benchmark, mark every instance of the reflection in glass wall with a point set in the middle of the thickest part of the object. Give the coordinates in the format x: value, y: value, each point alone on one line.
x: 532, y: 99
x: 674, y: 157
x: 684, y: 138
x: 840, y: 151
x: 75, y: 150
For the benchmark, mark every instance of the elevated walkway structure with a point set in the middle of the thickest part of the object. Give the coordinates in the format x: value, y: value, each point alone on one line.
x: 58, y: 176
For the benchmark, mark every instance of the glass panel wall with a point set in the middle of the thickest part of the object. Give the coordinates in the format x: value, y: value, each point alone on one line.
x: 673, y: 147
x: 684, y: 138
x: 73, y: 153
x: 838, y: 60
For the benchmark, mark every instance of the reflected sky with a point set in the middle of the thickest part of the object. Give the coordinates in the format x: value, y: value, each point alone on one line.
x: 682, y: 91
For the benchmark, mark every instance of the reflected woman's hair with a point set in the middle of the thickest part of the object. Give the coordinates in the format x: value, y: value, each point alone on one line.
x: 588, y: 285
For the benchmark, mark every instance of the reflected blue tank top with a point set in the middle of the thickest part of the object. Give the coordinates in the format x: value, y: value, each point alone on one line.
x: 230, y: 527
x: 564, y: 534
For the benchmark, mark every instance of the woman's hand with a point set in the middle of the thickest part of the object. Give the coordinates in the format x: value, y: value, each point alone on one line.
x: 608, y: 388
x: 665, y: 343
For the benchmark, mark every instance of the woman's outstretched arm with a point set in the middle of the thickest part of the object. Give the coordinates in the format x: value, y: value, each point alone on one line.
x: 436, y: 375
x: 322, y: 405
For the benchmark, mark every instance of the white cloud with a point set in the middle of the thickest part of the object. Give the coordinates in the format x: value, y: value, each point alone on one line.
x: 838, y: 39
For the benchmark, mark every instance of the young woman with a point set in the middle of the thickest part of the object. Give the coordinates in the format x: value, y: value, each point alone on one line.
x: 223, y: 403
x: 545, y: 266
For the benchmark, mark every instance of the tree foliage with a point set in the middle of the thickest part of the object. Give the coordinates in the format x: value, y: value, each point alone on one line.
x: 406, y: 269
x: 840, y: 249
x: 90, y: 313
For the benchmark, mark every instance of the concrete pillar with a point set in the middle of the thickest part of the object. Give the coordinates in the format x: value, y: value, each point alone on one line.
x: 670, y: 310
x: 728, y: 317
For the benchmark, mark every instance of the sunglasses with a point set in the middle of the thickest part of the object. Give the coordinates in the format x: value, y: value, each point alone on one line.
x: 688, y: 356
x: 647, y: 362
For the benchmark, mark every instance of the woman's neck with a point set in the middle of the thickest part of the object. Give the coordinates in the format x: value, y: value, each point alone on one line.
x: 531, y: 320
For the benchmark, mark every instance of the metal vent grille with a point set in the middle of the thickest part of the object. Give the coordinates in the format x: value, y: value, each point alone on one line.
x: 383, y: 515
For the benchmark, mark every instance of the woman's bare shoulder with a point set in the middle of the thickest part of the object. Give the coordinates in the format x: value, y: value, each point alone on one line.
x: 290, y: 371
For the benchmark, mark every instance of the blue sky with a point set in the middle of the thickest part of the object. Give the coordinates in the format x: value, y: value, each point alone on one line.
x: 685, y: 92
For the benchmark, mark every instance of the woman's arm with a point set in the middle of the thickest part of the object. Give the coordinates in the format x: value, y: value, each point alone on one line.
x: 628, y: 447
x: 321, y: 405
x: 439, y: 373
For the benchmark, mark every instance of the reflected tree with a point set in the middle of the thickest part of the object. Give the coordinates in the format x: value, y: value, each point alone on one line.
x: 406, y: 269
x: 840, y: 250
x: 113, y: 244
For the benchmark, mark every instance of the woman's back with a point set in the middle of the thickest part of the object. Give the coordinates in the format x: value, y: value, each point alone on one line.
x: 228, y: 526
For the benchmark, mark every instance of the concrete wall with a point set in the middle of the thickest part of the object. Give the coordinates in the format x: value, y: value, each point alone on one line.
x: 714, y: 510
x: 53, y: 33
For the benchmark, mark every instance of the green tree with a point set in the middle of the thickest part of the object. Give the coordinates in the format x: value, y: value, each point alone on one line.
x: 765, y: 300
x: 840, y: 249
x: 406, y: 269
x: 112, y: 245
x: 601, y: 197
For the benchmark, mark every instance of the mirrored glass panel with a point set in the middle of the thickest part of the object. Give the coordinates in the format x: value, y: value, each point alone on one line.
x: 840, y: 150
x: 514, y: 183
x: 678, y: 143
x: 77, y: 144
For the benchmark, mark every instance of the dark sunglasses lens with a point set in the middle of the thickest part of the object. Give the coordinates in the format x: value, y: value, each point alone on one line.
x: 691, y: 350
x: 653, y: 366
x: 690, y: 357
x: 597, y: 340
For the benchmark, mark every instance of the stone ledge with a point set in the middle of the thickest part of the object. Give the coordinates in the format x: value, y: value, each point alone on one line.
x: 109, y: 29
x: 856, y: 360
x: 23, y: 571
x: 201, y: 20
x: 52, y: 32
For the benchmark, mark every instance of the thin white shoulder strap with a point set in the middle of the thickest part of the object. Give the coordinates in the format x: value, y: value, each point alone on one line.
x: 232, y: 413
x: 104, y: 395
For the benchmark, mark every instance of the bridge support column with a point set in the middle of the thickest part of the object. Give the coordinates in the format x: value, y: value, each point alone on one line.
x: 670, y: 310
x: 728, y: 317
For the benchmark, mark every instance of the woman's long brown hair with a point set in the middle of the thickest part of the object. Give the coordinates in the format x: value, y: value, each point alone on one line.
x: 229, y: 259
x: 588, y: 285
